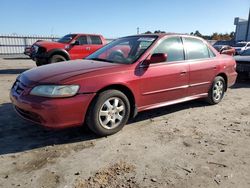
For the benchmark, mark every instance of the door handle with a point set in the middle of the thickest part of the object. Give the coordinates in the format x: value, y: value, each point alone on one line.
x: 87, y: 48
x: 214, y: 67
x: 183, y: 72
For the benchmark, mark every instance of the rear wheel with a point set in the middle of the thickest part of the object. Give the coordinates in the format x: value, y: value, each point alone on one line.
x: 57, y: 58
x: 108, y: 113
x: 217, y: 90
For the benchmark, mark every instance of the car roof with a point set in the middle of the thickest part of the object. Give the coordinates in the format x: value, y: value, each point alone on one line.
x: 84, y: 34
x: 161, y: 35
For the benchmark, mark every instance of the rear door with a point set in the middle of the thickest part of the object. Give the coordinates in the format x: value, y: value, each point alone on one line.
x: 203, y: 65
x: 165, y: 81
x: 95, y: 42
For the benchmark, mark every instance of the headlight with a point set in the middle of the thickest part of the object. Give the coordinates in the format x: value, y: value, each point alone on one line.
x: 55, y: 90
x: 35, y: 48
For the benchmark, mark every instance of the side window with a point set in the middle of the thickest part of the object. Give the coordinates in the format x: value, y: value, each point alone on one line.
x: 196, y: 49
x: 172, y: 47
x: 82, y: 40
x: 95, y: 40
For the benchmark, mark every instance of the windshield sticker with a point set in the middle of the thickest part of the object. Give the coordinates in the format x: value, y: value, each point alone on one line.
x: 146, y: 39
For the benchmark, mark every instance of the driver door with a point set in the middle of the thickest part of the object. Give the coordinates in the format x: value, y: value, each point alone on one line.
x: 80, y: 50
x: 165, y: 81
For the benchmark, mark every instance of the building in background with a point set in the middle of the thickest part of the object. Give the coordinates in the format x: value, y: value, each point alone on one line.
x: 242, y: 31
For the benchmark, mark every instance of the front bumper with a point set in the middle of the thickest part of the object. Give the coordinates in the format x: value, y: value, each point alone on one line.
x: 232, y: 79
x: 41, y: 58
x: 53, y: 113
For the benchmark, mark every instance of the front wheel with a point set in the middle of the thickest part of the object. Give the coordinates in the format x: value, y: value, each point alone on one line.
x: 217, y: 90
x: 108, y: 113
x: 38, y: 63
x: 56, y: 58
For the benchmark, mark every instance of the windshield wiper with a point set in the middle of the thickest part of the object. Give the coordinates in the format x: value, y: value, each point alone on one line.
x: 100, y: 59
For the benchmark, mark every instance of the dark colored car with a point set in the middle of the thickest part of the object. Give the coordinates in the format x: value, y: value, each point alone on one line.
x: 243, y: 63
x: 225, y: 49
x: 128, y: 75
x: 69, y: 47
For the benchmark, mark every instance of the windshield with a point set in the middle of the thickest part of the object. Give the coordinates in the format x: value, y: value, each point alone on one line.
x: 217, y: 47
x: 125, y: 50
x: 239, y: 45
x: 66, y: 38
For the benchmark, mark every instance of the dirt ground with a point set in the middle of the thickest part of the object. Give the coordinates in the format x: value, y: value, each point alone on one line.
x: 186, y: 145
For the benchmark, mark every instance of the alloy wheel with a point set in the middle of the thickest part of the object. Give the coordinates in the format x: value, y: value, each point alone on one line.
x: 218, y: 90
x: 112, y: 113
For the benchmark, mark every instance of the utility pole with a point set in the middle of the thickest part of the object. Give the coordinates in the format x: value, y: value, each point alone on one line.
x: 138, y: 30
x: 248, y: 25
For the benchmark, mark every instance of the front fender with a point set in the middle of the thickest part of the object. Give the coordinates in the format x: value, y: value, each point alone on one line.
x: 58, y: 51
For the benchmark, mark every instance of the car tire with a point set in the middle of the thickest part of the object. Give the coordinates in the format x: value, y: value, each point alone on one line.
x: 38, y: 63
x: 217, y: 90
x: 57, y: 58
x: 108, y: 113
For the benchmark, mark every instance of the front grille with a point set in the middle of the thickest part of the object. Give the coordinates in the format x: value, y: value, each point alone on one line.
x: 37, y: 50
x: 18, y: 87
x: 29, y: 115
x: 41, y: 50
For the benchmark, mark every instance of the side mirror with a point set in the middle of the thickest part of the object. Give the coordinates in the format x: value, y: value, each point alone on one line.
x: 158, y: 57
x: 75, y: 43
x: 155, y: 58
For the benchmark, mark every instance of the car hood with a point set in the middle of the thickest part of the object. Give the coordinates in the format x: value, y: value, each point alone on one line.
x: 56, y: 73
x: 51, y: 44
x: 242, y: 58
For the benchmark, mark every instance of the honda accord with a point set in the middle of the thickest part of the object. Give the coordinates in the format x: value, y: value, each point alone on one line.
x: 128, y: 75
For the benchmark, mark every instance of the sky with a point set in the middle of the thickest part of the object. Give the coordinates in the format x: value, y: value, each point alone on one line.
x: 117, y: 18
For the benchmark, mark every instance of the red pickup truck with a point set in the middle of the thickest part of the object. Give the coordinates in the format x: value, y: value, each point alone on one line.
x: 69, y: 47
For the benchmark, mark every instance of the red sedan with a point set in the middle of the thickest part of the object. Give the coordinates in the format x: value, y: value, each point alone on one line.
x: 127, y: 76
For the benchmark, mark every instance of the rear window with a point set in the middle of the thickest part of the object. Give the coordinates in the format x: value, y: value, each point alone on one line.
x: 196, y: 49
x: 95, y: 40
